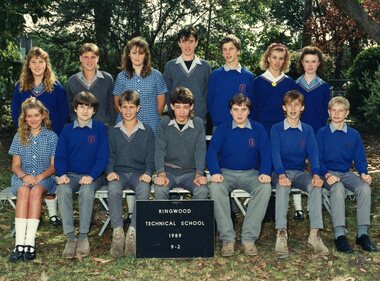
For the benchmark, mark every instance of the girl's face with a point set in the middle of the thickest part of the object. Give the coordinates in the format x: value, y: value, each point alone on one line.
x: 37, y: 66
x: 310, y: 64
x: 34, y: 118
x: 276, y: 60
x: 137, y: 56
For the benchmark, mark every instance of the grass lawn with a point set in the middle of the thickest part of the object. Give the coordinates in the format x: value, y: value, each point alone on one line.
x: 300, y: 265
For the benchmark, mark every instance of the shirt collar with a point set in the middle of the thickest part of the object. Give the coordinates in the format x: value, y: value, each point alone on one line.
x: 333, y: 129
x: 196, y: 61
x: 238, y: 68
x: 89, y: 124
x: 97, y: 75
x: 189, y: 124
x: 287, y: 125
x: 138, y: 126
x: 247, y: 125
x: 267, y: 75
x: 313, y: 83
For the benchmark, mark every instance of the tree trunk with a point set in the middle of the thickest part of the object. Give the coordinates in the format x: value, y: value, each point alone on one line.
x: 306, y: 35
x: 356, y: 12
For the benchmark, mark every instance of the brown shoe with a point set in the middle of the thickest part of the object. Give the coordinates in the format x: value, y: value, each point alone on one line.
x: 130, y: 242
x: 83, y: 247
x: 228, y: 249
x: 249, y: 249
x: 281, y: 247
x: 117, y: 246
x: 317, y: 244
x: 70, y: 249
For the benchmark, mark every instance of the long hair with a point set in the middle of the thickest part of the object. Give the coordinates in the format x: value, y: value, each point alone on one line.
x: 126, y: 63
x: 264, y: 64
x: 23, y: 127
x: 26, y: 77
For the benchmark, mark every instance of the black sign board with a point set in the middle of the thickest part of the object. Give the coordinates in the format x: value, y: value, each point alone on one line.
x: 175, y: 228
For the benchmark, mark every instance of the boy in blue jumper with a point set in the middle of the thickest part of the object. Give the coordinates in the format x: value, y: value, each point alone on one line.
x: 227, y: 81
x: 130, y: 165
x: 80, y: 159
x: 292, y: 142
x: 181, y: 149
x: 239, y: 157
x: 340, y: 146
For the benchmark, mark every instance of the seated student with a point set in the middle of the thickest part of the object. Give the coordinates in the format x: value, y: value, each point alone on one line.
x: 81, y: 157
x: 339, y: 147
x: 239, y: 157
x: 292, y: 142
x: 130, y: 165
x: 33, y: 149
x: 180, y: 149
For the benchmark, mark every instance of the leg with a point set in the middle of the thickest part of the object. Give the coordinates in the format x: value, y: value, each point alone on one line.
x: 198, y: 192
x: 162, y: 192
x: 142, y: 191
x: 65, y: 204
x: 282, y: 203
x: 115, y: 201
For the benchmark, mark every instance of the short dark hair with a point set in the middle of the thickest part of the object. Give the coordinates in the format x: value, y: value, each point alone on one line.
x: 293, y: 95
x: 240, y: 99
x: 86, y: 98
x: 181, y: 95
x: 186, y: 32
x: 230, y: 38
x: 129, y: 97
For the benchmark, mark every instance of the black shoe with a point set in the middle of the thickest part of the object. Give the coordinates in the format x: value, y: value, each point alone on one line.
x: 17, y: 254
x: 128, y: 219
x: 366, y: 243
x: 29, y: 253
x: 55, y: 220
x: 342, y: 245
x: 298, y: 216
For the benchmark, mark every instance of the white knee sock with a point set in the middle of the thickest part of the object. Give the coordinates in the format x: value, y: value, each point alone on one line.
x: 52, y: 206
x: 297, y: 202
x: 20, y: 226
x: 31, y: 231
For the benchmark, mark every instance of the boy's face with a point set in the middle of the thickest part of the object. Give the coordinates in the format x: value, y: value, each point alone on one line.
x: 84, y: 112
x: 181, y: 112
x: 129, y: 111
x: 310, y: 64
x: 188, y: 46
x: 89, y: 61
x: 230, y: 53
x: 293, y: 109
x: 239, y: 113
x: 338, y: 113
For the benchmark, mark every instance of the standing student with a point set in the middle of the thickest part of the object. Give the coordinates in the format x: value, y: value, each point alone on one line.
x: 293, y: 141
x: 181, y: 149
x: 32, y: 150
x: 138, y: 75
x: 315, y: 90
x: 80, y: 160
x: 38, y: 80
x: 239, y: 157
x: 95, y: 81
x: 188, y: 70
x: 130, y: 165
x: 227, y: 81
x: 340, y: 147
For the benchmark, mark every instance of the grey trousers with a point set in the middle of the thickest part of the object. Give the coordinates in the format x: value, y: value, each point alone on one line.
x: 86, y: 202
x: 185, y: 181
x: 115, y: 196
x: 257, y: 206
x: 302, y: 181
x: 362, y: 192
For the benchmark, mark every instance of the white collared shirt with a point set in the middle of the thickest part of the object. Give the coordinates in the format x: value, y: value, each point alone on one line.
x: 287, y: 125
x: 76, y: 124
x: 333, y: 129
x: 196, y: 61
x: 189, y: 124
x: 269, y: 76
x: 138, y: 126
x: 247, y: 125
x: 238, y: 68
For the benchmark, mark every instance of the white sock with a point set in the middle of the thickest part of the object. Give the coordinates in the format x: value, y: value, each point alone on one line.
x: 52, y: 206
x: 31, y: 231
x: 130, y: 203
x: 20, y: 226
x: 297, y: 202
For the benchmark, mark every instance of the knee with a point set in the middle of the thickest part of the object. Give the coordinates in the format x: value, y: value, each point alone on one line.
x: 364, y: 190
x: 266, y: 189
x: 87, y: 190
x: 23, y: 193
x: 217, y: 189
x: 338, y: 191
x: 200, y: 192
x: 64, y: 190
x: 36, y: 193
x: 114, y: 189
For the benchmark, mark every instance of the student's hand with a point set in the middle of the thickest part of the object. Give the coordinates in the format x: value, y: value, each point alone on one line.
x: 29, y: 180
x: 366, y: 178
x: 38, y: 178
x: 316, y: 181
x: 283, y: 180
x: 162, y: 179
x: 145, y: 178
x: 264, y: 178
x: 112, y: 176
x: 86, y: 180
x: 217, y: 178
x: 331, y: 179
x: 200, y: 180
x: 63, y: 179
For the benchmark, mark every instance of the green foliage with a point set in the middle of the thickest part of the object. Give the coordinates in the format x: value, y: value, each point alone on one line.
x: 364, y: 67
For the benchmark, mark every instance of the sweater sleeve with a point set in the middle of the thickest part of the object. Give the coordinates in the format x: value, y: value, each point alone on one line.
x: 70, y: 97
x: 200, y: 148
x: 312, y: 152
x: 16, y: 105
x: 160, y: 148
x: 265, y: 152
x: 102, y: 154
x: 149, y: 162
x: 62, y: 153
x: 111, y: 107
x: 62, y: 106
x: 206, y: 80
x: 321, y: 148
x: 275, y: 141
x: 112, y: 151
x: 360, y: 160
x: 211, y: 93
x: 212, y: 155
